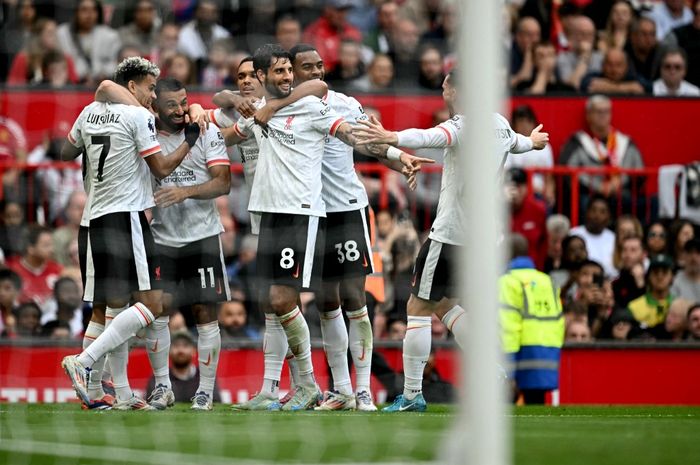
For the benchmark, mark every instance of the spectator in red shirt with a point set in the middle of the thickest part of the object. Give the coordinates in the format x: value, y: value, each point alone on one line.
x: 326, y: 33
x: 528, y: 216
x: 36, y: 268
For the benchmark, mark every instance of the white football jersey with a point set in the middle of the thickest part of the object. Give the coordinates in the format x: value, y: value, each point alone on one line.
x: 116, y: 138
x: 247, y: 149
x: 192, y: 219
x: 506, y: 139
x: 288, y: 173
x: 342, y: 189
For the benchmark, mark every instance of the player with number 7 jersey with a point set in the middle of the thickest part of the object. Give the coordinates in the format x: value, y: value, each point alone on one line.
x: 117, y: 254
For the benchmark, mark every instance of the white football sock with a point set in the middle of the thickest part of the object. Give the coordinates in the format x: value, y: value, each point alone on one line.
x: 118, y: 359
x: 123, y: 327
x: 335, y: 344
x: 274, y: 348
x: 416, y: 350
x: 208, y: 349
x: 299, y: 342
x: 361, y: 346
x: 158, y: 349
x: 456, y: 322
x: 92, y: 332
x: 294, y: 377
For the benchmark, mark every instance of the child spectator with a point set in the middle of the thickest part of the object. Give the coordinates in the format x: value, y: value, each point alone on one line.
x: 182, y: 68
x: 13, y: 228
x: 217, y: 69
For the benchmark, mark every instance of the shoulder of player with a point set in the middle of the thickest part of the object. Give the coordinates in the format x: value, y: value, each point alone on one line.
x: 454, y: 122
x: 501, y: 121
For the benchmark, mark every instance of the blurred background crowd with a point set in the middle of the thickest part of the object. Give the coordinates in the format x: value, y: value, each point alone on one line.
x: 623, y: 277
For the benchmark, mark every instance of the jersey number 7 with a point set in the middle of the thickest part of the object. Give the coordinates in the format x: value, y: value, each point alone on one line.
x: 104, y: 141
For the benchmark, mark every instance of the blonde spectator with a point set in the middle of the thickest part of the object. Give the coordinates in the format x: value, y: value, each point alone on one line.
x: 182, y: 68
x: 618, y: 26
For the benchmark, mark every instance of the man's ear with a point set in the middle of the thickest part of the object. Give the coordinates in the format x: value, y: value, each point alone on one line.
x: 260, y: 75
x: 131, y: 85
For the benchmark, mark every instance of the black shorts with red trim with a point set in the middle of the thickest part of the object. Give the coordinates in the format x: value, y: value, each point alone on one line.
x: 194, y: 273
x: 117, y: 256
x: 290, y: 250
x: 434, y: 274
x: 348, y: 251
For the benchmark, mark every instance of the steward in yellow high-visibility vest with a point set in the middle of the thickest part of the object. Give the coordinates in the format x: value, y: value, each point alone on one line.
x: 532, y: 324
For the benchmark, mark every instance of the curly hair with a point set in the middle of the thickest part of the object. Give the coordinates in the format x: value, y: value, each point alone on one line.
x: 134, y: 69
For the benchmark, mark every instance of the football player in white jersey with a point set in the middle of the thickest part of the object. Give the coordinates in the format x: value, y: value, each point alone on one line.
x: 275, y: 340
x: 287, y: 191
x: 433, y: 288
x: 348, y: 252
x: 117, y: 250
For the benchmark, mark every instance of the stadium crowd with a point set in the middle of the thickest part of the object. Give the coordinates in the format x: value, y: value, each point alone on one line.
x: 635, y: 47
x: 632, y: 282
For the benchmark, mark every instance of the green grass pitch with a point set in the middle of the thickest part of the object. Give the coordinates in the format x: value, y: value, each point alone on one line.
x: 63, y: 434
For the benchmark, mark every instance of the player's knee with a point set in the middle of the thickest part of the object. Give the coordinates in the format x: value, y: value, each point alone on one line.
x: 282, y: 300
x: 204, y: 313
x: 419, y: 307
x: 117, y: 302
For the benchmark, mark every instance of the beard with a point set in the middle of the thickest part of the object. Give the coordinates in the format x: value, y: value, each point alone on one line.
x: 277, y: 92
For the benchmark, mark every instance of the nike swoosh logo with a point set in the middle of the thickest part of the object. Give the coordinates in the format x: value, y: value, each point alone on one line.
x: 364, y: 260
x: 406, y: 407
x: 218, y: 286
x: 206, y: 364
x: 361, y: 358
x: 155, y: 347
x: 296, y: 272
x: 413, y: 281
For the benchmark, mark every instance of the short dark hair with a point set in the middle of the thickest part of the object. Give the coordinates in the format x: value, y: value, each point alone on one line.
x: 262, y: 59
x: 597, y: 198
x: 246, y: 60
x: 134, y: 69
x: 33, y: 234
x: 61, y: 281
x: 524, y: 112
x: 14, y: 278
x: 168, y: 84
x: 301, y: 48
x: 692, y: 309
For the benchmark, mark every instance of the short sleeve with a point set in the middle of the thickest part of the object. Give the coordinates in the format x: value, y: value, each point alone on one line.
x: 146, y: 140
x: 451, y: 128
x: 322, y: 117
x: 220, y: 118
x: 357, y: 112
x: 75, y: 136
x: 215, y: 148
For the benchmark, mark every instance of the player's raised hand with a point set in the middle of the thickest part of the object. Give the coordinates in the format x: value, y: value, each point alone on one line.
x: 169, y: 196
x: 539, y: 139
x: 372, y: 132
x: 198, y: 116
x: 263, y: 115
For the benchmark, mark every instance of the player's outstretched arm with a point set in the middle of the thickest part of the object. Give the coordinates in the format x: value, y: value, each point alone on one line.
x: 314, y: 87
x: 219, y: 184
x: 411, y: 163
x: 110, y: 91
x: 162, y: 165
x: 440, y: 136
x: 233, y: 100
